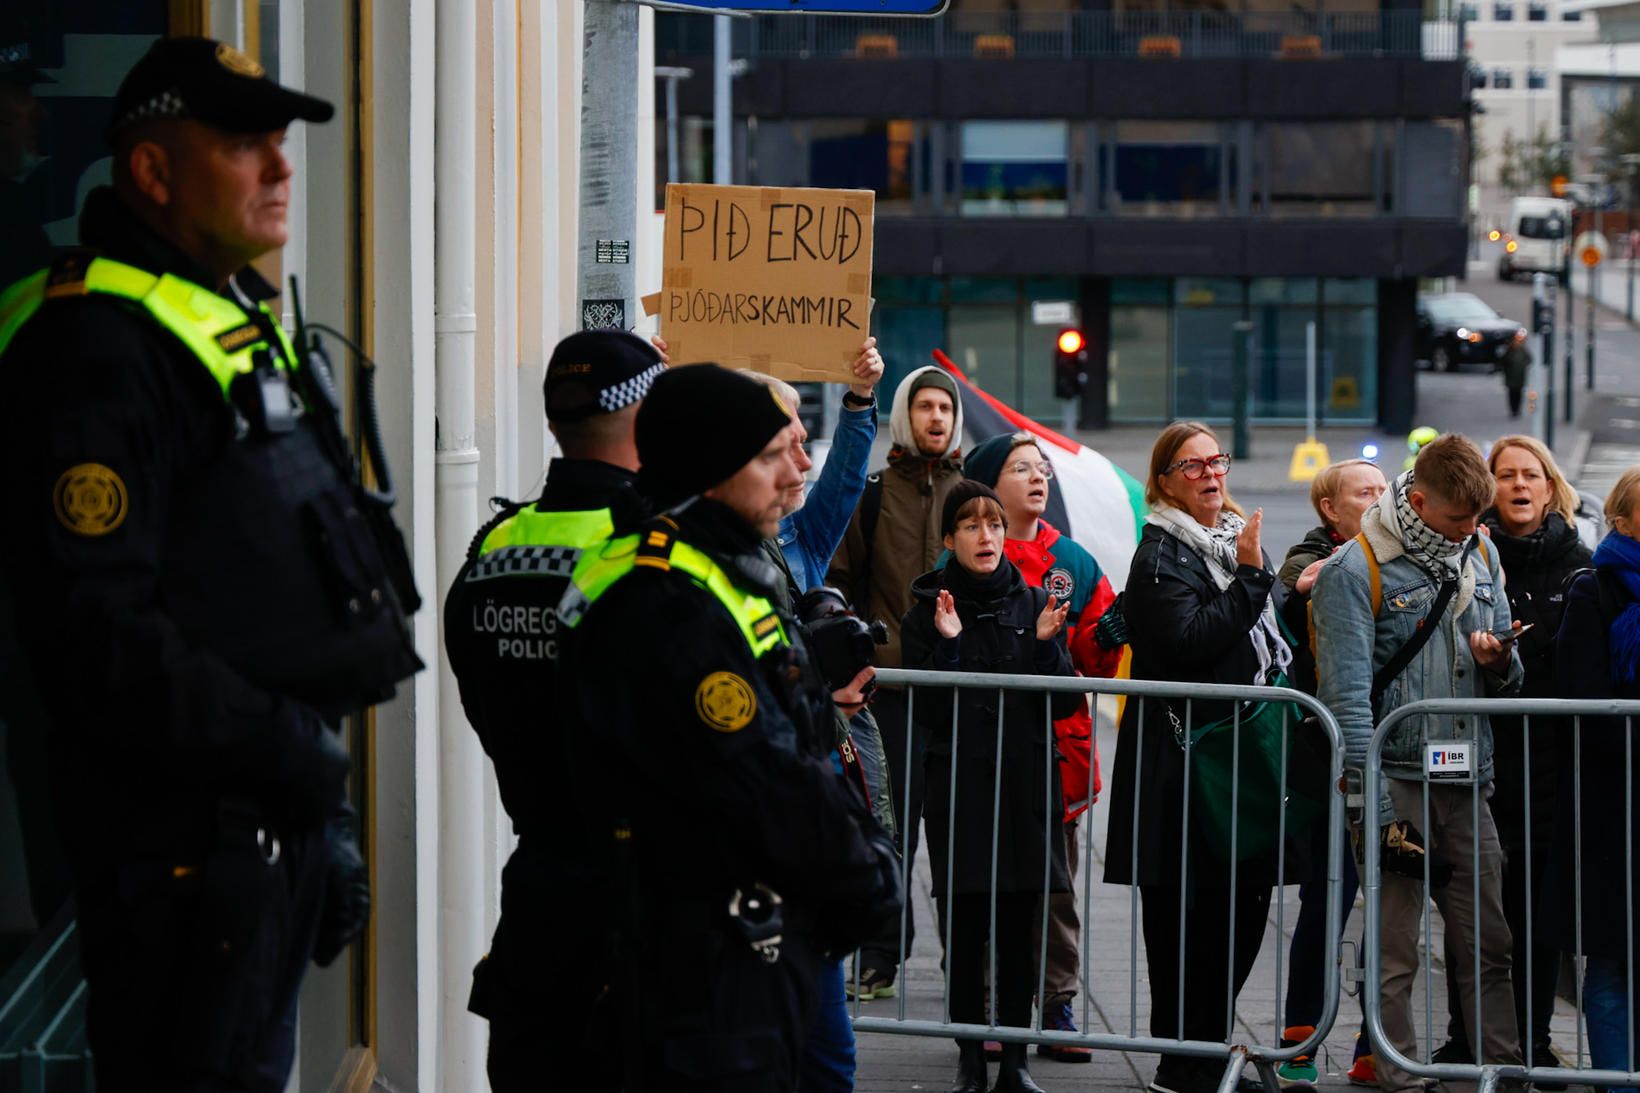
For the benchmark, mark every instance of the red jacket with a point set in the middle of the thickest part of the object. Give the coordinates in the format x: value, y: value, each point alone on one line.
x: 1058, y: 564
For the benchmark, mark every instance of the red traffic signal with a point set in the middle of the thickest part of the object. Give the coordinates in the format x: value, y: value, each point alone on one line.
x: 1070, y: 364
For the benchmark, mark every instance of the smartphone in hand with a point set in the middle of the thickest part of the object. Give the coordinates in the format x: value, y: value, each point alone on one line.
x: 1507, y: 636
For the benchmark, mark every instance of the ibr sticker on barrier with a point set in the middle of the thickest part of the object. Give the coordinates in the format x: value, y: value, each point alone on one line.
x: 1449, y: 760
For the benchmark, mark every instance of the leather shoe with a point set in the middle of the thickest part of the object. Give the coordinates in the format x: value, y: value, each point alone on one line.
x: 972, y: 1076
x: 1014, y: 1076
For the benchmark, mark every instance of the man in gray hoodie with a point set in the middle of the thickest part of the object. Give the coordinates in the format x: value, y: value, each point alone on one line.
x: 894, y: 538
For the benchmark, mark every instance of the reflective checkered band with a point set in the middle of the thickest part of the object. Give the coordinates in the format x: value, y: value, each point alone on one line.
x: 629, y: 391
x: 167, y: 104
x: 525, y: 561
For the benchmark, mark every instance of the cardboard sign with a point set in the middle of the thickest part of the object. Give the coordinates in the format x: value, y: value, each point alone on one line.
x: 773, y: 280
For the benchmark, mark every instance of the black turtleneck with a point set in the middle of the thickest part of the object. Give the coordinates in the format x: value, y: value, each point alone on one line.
x: 578, y: 485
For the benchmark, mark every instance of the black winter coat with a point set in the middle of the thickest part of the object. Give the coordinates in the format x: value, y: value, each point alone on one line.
x: 1582, y: 670
x: 997, y: 636
x: 1535, y: 572
x: 1180, y: 628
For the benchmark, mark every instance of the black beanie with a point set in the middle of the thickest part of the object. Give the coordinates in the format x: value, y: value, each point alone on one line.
x: 699, y: 425
x: 962, y: 493
x: 984, y: 463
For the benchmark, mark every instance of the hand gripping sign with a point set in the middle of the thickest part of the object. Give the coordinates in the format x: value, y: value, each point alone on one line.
x: 772, y: 280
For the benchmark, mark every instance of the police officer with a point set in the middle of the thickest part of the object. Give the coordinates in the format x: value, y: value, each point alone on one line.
x: 740, y: 859
x: 202, y: 588
x: 546, y: 966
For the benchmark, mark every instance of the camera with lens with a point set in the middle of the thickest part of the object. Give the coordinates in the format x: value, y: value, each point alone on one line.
x: 841, y: 643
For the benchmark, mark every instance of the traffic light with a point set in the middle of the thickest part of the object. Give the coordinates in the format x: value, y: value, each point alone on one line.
x: 1070, y: 364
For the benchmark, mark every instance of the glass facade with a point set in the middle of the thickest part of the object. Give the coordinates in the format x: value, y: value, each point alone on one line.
x: 1171, y: 346
x: 987, y: 325
x: 1014, y: 168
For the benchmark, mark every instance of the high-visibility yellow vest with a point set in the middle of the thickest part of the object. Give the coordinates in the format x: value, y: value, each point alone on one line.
x: 535, y: 543
x: 216, y: 329
x: 600, y: 567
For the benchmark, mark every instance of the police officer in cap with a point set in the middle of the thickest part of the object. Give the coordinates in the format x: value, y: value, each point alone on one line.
x: 739, y: 858
x: 202, y: 587
x: 545, y: 967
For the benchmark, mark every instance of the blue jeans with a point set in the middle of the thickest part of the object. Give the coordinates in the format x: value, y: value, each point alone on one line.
x: 1605, y: 1006
x: 1307, y: 965
x: 828, y: 1058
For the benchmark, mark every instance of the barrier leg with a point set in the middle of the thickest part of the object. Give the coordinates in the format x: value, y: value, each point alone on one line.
x: 1232, y: 1072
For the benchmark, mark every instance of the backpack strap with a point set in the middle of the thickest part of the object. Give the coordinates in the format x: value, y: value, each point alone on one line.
x: 1375, y: 580
x: 1426, y: 629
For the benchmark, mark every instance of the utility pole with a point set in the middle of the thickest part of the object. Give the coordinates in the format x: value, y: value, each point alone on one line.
x: 1594, y: 286
x: 609, y: 150
x: 1543, y: 323
x: 723, y: 132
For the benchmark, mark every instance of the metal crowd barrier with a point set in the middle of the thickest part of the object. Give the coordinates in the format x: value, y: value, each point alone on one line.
x: 1264, y: 1056
x: 1567, y: 716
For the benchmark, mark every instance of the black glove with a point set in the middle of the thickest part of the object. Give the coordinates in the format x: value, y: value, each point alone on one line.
x: 1404, y: 853
x: 347, y: 889
x: 301, y: 773
x: 1111, y: 629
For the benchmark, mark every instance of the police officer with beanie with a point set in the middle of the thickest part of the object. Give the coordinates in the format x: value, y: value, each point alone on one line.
x: 739, y: 858
x: 202, y: 588
x: 546, y: 965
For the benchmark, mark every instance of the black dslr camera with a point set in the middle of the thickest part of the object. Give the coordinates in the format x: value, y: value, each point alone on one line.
x: 840, y: 641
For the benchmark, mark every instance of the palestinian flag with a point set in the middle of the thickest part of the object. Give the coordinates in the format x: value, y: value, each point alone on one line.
x: 1093, y: 500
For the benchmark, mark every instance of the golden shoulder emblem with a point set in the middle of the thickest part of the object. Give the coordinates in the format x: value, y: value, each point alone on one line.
x: 90, y: 499
x: 725, y: 702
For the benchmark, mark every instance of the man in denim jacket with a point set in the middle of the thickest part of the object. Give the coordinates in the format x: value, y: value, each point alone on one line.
x: 1419, y: 533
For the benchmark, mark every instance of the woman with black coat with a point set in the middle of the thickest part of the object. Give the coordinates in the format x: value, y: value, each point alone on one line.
x: 1538, y: 546
x: 978, y: 615
x: 1199, y: 608
x: 1597, y: 655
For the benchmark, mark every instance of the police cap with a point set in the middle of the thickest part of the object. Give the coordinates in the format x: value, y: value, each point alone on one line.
x: 598, y: 372
x: 211, y: 82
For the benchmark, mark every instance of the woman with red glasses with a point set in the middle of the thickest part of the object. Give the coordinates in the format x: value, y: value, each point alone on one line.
x: 1199, y: 608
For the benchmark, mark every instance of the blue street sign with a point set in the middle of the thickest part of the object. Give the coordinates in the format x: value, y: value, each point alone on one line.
x: 922, y: 8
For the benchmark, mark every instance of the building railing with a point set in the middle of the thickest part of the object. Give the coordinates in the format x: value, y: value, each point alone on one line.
x: 1076, y: 34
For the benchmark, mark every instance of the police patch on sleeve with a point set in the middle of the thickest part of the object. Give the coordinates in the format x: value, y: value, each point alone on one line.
x: 725, y: 702
x: 90, y: 499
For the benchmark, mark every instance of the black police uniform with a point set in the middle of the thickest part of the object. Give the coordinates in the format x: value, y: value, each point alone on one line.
x: 716, y: 763
x: 201, y: 603
x: 546, y: 964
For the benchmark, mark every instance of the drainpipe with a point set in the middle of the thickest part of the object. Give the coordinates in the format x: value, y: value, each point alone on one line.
x: 461, y: 887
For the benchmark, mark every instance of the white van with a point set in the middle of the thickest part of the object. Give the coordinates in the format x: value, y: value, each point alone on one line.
x: 1535, y: 236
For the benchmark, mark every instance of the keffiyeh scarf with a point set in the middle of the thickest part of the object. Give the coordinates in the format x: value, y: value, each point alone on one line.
x: 1433, y: 552
x: 1217, y: 546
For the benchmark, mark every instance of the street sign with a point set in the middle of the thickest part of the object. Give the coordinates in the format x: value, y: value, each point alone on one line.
x: 923, y: 8
x: 1590, y: 248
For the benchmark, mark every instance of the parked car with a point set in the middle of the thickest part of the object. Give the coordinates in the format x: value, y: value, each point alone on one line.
x: 1455, y: 328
